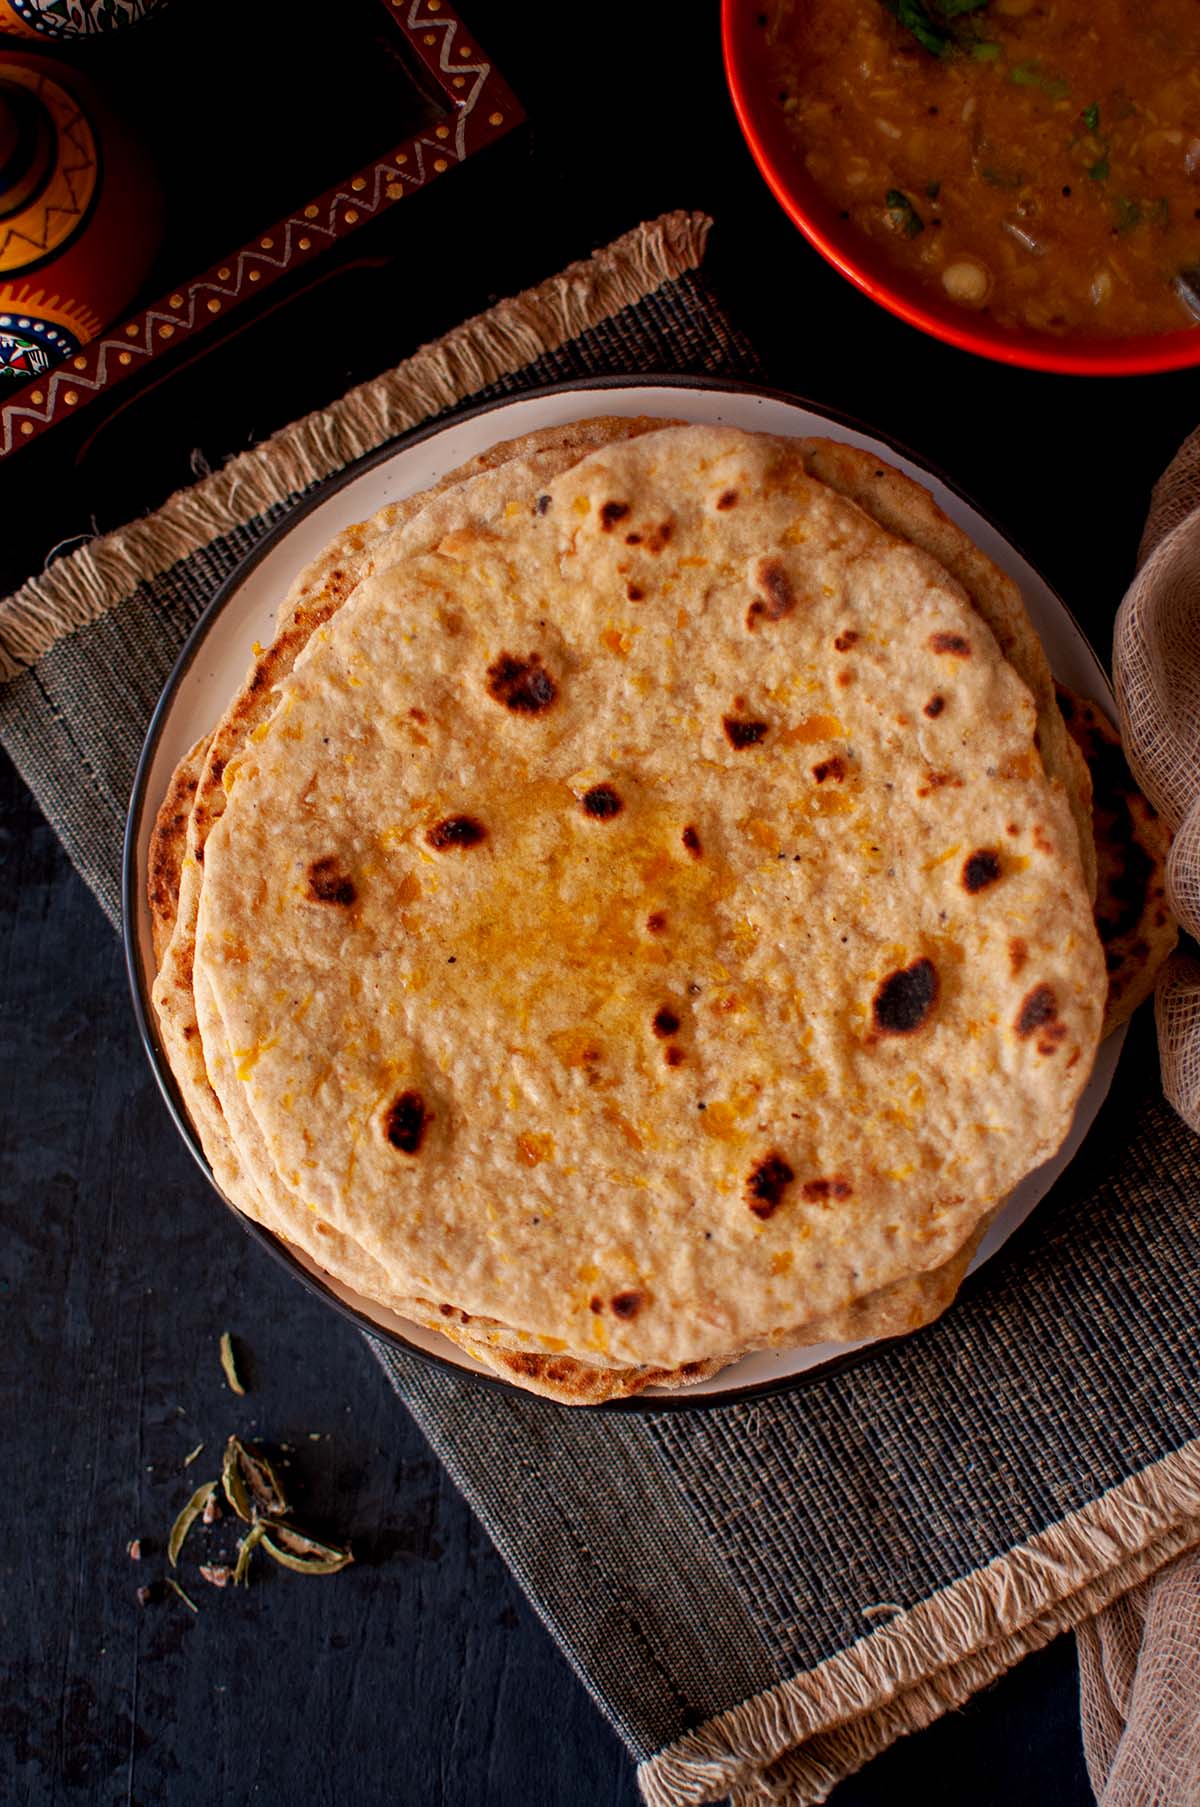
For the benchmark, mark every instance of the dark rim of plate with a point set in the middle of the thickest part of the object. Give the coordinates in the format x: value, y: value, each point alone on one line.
x: 686, y: 1399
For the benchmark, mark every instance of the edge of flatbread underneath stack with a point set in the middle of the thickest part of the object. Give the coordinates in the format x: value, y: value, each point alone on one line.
x: 470, y: 503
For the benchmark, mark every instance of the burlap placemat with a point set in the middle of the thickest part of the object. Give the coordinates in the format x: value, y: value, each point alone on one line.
x: 763, y: 1595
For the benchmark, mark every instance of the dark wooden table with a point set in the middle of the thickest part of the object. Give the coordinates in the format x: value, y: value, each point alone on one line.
x: 421, y: 1675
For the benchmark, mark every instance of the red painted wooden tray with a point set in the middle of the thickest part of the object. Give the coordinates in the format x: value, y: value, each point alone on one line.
x: 480, y: 108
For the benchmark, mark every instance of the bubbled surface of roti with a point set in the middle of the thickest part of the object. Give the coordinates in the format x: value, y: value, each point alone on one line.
x: 645, y: 920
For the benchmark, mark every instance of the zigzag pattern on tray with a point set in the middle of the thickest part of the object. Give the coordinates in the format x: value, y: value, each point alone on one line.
x: 462, y: 73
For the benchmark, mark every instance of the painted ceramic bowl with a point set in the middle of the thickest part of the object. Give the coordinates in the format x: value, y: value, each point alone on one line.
x: 71, y: 18
x: 79, y: 215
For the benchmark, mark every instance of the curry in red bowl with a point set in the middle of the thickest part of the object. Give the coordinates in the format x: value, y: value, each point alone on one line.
x: 1021, y: 177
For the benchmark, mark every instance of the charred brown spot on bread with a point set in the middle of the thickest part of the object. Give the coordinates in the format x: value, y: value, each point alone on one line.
x: 834, y: 767
x: 1018, y: 955
x: 937, y: 781
x: 419, y: 715
x: 658, y: 536
x: 633, y: 539
x: 447, y: 1311
x: 956, y: 644
x: 934, y: 706
x: 741, y: 733
x: 674, y: 1056
x: 666, y: 1021
x: 845, y: 640
x: 627, y: 1304
x: 980, y: 869
x: 218, y: 770
x: 1038, y: 1007
x: 635, y: 592
x: 521, y: 684
x: 611, y: 513
x: 691, y: 841
x: 329, y: 884
x: 905, y: 1000
x: 541, y: 505
x: 595, y: 1304
x: 769, y: 1180
x: 727, y: 499
x: 656, y: 922
x: 602, y: 802
x: 1038, y: 1016
x: 456, y: 831
x: 776, y: 597
x: 406, y: 1122
x: 833, y: 1187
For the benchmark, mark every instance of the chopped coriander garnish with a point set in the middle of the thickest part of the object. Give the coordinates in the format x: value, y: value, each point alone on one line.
x: 1099, y: 170
x: 985, y: 51
x: 1127, y: 213
x: 913, y: 16
x: 1091, y: 116
x: 903, y: 215
x: 1032, y: 75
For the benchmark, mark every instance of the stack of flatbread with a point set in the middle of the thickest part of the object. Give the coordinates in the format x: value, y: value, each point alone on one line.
x: 640, y: 908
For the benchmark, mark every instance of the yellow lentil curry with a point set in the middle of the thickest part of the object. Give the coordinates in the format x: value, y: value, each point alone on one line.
x: 1037, y: 161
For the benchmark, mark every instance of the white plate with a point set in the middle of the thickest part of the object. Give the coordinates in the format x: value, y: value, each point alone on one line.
x: 214, y: 663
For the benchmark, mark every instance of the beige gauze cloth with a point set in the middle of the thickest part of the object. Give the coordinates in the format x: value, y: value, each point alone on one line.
x: 1139, y: 1660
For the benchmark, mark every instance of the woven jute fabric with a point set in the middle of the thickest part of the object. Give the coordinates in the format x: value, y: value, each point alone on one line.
x: 1156, y: 668
x: 762, y: 1594
x: 1140, y: 1663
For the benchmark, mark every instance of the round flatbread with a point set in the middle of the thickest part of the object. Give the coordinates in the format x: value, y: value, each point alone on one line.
x: 645, y: 921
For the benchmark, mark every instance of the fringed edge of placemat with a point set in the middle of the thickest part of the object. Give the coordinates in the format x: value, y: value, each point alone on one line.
x: 797, y: 1741
x: 502, y: 340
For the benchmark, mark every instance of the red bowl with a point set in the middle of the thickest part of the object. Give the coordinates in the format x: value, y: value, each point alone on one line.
x: 751, y: 84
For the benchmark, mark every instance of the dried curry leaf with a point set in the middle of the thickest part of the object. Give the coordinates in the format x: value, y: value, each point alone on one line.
x: 229, y: 1366
x: 187, y: 1518
x: 175, y: 1587
x: 302, y: 1554
x: 232, y: 1480
x: 246, y: 1549
x: 263, y: 1482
